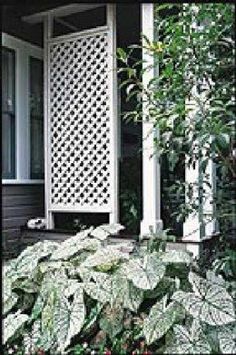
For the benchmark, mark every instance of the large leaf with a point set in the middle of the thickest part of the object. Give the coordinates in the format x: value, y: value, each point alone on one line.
x: 49, y: 265
x: 145, y: 272
x: 28, y: 260
x: 103, y: 231
x: 69, y: 319
x: 191, y: 341
x: 100, y: 289
x: 114, y: 289
x: 12, y: 323
x: 54, y: 281
x: 9, y: 297
x: 76, y: 244
x: 227, y: 340
x: 159, y: 320
x: 132, y: 296
x: 72, y: 287
x: 175, y: 256
x: 106, y: 256
x: 124, y: 292
x: 210, y: 302
x: 111, y: 320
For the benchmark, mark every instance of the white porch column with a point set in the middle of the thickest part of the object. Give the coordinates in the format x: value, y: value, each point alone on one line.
x: 200, y: 225
x: 111, y: 23
x: 48, y: 29
x: 151, y: 167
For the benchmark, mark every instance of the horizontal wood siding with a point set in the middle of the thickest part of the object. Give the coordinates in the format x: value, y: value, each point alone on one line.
x: 19, y: 204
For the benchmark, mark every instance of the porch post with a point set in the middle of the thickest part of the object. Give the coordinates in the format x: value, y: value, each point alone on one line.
x: 48, y: 28
x: 151, y: 167
x: 199, y: 225
x: 113, y: 96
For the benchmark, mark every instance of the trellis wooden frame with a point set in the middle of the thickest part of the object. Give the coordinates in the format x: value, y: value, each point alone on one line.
x: 112, y: 207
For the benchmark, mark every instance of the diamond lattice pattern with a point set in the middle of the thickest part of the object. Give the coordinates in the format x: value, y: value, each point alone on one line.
x: 79, y: 122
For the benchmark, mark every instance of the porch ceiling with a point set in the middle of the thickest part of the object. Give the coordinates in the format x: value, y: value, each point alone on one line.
x: 60, y: 11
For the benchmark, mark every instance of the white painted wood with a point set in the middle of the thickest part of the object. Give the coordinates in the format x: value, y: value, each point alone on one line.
x: 200, y: 224
x: 23, y: 50
x: 26, y: 47
x: 74, y: 35
x: 60, y: 11
x: 151, y: 167
x: 80, y: 209
x: 22, y: 115
x: 209, y: 207
x: 113, y: 98
x: 80, y: 121
x: 48, y: 30
x: 22, y: 182
x: 192, y: 227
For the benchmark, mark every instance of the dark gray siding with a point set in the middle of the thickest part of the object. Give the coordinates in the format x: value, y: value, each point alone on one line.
x: 19, y: 204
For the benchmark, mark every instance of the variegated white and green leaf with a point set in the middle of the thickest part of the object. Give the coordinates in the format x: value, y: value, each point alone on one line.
x: 175, y: 256
x: 72, y: 287
x: 75, y: 245
x: 9, y: 297
x: 146, y: 272
x: 191, y: 341
x: 111, y: 321
x: 210, y: 303
x: 109, y: 255
x: 124, y: 292
x: 227, y: 339
x: 69, y: 319
x: 28, y: 260
x: 49, y: 265
x: 12, y: 324
x: 103, y: 231
x: 159, y: 320
x: 99, y: 290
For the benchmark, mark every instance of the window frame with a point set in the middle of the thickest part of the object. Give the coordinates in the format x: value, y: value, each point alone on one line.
x: 23, y: 51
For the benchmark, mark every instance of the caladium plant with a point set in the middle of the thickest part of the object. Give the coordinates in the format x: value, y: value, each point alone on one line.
x: 85, y: 288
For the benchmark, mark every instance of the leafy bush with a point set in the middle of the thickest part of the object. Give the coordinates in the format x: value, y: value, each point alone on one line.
x: 114, y: 297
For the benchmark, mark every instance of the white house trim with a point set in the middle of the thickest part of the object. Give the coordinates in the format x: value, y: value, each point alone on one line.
x: 112, y: 72
x: 151, y: 167
x: 60, y: 11
x: 111, y: 206
x: 23, y: 50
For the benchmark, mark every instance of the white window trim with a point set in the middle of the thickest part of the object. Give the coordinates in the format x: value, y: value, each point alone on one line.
x: 23, y: 50
x: 22, y: 182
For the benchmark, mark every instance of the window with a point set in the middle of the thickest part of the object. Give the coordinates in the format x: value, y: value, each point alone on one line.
x: 36, y: 118
x: 8, y: 113
x: 22, y: 111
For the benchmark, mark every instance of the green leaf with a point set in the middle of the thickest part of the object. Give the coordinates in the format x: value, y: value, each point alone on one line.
x: 69, y: 319
x: 121, y: 54
x: 159, y: 320
x: 27, y: 261
x: 123, y: 292
x: 227, y: 339
x: 191, y: 341
x: 146, y: 272
x: 75, y: 245
x: 175, y: 256
x: 12, y: 324
x: 9, y: 297
x: 210, y: 302
x: 111, y: 321
x: 103, y: 231
x: 99, y: 290
x: 104, y: 256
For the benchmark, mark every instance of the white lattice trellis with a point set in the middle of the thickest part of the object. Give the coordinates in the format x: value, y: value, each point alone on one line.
x: 79, y: 123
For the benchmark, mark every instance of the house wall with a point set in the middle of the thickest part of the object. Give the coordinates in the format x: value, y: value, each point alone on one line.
x: 19, y: 204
